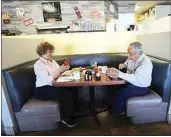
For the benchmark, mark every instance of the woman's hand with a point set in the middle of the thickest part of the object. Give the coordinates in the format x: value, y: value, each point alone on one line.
x: 64, y: 68
x: 59, y: 71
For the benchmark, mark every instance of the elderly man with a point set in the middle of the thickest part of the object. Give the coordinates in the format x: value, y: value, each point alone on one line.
x: 138, y: 76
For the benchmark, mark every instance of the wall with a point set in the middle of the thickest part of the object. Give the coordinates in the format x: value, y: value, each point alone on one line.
x: 125, y: 19
x: 155, y: 26
x: 157, y: 44
x: 18, y: 50
x: 22, y: 48
x: 162, y: 11
x: 155, y: 37
x: 34, y: 10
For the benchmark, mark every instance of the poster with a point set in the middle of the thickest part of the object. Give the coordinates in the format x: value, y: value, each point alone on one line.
x: 51, y: 11
x: 6, y: 18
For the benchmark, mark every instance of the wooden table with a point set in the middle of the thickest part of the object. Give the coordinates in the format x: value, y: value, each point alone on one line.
x: 105, y: 80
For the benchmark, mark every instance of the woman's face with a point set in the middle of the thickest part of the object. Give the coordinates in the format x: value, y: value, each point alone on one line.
x: 48, y: 54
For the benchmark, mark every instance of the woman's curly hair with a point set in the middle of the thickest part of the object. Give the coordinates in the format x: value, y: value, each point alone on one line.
x: 43, y: 47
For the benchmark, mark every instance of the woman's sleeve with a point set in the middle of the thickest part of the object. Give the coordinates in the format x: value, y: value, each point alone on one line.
x: 43, y: 74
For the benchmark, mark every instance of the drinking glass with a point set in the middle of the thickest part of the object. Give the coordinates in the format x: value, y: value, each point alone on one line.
x: 93, y: 64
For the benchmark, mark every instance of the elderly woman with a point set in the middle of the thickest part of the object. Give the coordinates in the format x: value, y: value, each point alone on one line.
x: 47, y: 70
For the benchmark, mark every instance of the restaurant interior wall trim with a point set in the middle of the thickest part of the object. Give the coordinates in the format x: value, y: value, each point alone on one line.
x: 19, y: 49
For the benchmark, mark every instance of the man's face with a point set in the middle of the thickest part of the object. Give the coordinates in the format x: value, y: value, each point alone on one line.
x: 132, y: 54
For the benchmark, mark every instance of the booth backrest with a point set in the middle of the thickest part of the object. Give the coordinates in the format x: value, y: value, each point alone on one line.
x: 161, y: 78
x: 21, y: 79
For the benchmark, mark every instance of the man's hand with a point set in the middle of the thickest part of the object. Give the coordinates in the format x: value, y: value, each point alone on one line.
x: 121, y: 66
x: 112, y: 72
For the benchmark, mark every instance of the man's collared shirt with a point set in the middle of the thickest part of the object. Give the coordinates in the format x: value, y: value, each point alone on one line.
x: 43, y: 70
x: 139, y: 72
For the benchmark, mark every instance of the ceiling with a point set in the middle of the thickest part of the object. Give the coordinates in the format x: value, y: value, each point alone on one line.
x: 129, y: 6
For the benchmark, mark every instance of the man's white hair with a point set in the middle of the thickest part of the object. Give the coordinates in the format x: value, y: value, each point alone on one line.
x: 137, y: 47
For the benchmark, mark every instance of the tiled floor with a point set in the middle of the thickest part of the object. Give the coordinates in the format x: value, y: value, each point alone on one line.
x: 109, y: 126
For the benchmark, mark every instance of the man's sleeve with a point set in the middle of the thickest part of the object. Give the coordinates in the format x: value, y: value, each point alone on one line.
x: 140, y: 77
x: 126, y: 63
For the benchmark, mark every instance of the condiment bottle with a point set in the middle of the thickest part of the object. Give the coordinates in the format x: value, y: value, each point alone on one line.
x: 98, y: 77
x: 88, y: 75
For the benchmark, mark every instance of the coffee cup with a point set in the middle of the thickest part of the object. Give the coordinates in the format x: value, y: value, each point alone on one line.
x: 104, y: 69
x: 77, y: 75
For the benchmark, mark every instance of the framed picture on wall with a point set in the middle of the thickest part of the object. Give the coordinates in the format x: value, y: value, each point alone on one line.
x: 51, y: 11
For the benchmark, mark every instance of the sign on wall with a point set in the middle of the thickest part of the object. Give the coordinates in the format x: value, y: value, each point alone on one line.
x: 51, y: 11
x: 95, y: 14
x: 28, y: 22
x: 6, y: 18
x: 20, y: 13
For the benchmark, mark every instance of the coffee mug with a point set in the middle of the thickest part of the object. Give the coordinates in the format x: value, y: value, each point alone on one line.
x: 104, y: 69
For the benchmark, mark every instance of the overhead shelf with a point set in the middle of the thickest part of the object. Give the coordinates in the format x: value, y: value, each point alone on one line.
x: 146, y: 5
x: 153, y: 13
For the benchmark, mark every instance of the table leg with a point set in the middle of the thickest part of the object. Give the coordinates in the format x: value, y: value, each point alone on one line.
x: 92, y: 109
x: 92, y: 105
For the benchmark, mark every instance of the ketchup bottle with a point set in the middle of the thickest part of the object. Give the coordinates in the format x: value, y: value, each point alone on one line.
x: 96, y: 69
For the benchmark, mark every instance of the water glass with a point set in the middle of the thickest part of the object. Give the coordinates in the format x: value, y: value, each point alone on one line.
x: 93, y: 64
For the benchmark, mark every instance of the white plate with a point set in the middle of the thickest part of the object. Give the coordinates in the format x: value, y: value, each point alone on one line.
x: 65, y: 79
